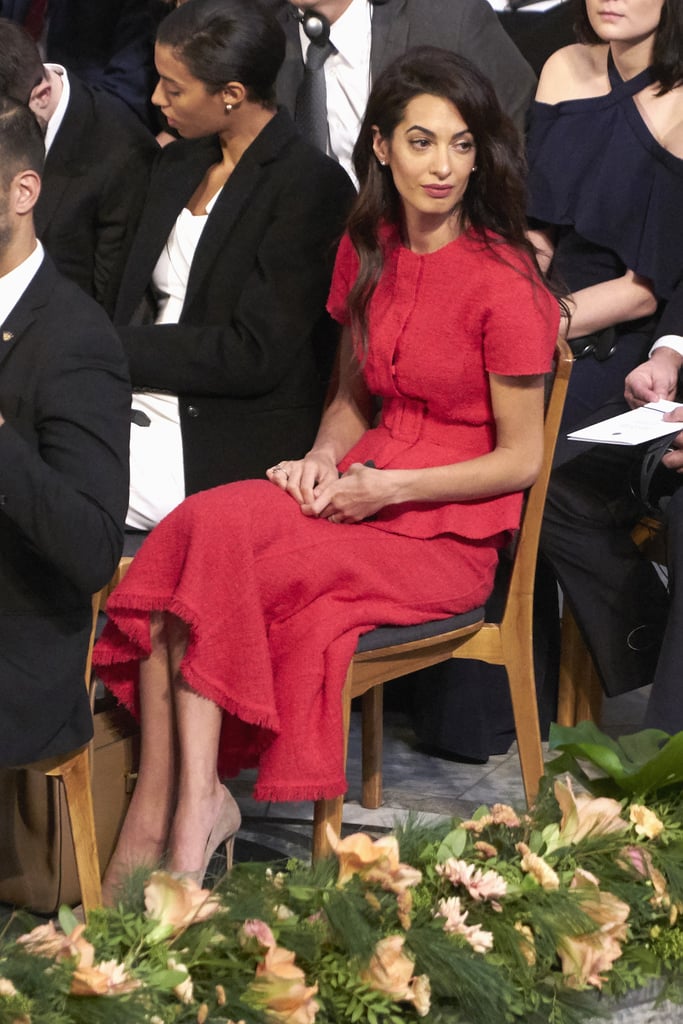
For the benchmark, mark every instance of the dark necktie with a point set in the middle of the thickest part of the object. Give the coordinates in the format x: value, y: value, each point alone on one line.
x: 311, y: 99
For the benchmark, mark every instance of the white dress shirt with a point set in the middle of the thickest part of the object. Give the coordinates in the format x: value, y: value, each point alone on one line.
x: 157, y: 473
x: 347, y: 79
x: 55, y: 121
x: 14, y: 284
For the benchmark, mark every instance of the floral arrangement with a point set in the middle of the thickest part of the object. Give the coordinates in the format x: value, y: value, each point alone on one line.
x: 510, y: 917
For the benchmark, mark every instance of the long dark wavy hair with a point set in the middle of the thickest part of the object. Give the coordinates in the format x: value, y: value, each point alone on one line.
x: 495, y: 197
x: 667, y: 51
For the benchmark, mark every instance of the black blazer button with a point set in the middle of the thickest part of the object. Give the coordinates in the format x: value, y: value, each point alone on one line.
x: 3, y: 500
x: 193, y: 411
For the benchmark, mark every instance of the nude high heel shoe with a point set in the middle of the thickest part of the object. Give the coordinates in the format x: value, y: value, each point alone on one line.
x: 225, y: 828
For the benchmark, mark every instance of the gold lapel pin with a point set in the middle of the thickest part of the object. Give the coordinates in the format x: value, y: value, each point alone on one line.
x: 7, y: 335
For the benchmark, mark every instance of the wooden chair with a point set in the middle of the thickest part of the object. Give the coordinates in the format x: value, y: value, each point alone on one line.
x: 580, y: 691
x: 508, y: 643
x: 74, y: 770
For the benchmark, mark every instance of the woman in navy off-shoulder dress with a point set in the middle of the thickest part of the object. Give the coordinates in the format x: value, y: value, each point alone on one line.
x: 605, y: 158
x: 269, y: 583
x: 605, y: 154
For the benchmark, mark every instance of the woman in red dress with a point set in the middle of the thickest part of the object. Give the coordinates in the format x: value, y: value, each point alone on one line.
x: 234, y: 627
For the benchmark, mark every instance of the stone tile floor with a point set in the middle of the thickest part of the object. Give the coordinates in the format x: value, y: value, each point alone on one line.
x: 413, y: 782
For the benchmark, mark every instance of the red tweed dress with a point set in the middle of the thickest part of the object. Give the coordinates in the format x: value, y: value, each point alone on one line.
x: 275, y: 601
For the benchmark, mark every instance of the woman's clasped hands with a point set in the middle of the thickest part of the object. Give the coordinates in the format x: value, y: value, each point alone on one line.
x: 315, y: 483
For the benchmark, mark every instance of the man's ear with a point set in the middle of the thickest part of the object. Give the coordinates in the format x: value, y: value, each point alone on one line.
x: 40, y: 98
x: 24, y: 190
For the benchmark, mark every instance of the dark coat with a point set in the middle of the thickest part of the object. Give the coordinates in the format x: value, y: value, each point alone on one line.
x: 65, y: 399
x: 108, y: 43
x: 94, y: 184
x: 468, y: 27
x: 250, y: 356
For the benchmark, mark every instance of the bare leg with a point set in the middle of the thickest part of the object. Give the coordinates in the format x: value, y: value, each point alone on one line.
x: 202, y: 800
x: 144, y: 834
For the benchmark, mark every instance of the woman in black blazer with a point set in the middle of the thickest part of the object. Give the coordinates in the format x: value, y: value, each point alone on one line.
x: 244, y: 341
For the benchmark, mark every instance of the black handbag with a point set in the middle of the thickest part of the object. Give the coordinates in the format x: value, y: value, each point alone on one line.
x: 656, y: 482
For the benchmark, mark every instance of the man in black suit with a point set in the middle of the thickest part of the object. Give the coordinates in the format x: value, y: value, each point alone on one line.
x: 96, y: 169
x: 107, y: 43
x: 369, y: 34
x: 632, y: 625
x: 64, y: 424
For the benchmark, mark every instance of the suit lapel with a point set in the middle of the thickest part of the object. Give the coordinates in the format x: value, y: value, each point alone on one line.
x: 24, y: 312
x: 234, y: 199
x: 291, y: 73
x: 171, y: 189
x: 69, y: 154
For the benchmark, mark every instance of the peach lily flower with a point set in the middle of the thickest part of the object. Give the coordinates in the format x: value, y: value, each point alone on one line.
x: 585, y: 958
x: 584, y: 815
x: 374, y: 860
x: 390, y: 971
x: 176, y: 903
x: 280, y: 987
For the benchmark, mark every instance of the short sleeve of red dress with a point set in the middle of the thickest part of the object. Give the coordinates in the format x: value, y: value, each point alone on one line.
x: 516, y: 336
x: 345, y: 272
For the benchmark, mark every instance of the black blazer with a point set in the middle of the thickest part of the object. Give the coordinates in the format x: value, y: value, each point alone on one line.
x: 94, y: 184
x: 468, y: 27
x: 250, y: 356
x: 65, y: 398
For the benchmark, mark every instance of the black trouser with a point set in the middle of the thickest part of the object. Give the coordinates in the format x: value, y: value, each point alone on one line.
x: 620, y: 604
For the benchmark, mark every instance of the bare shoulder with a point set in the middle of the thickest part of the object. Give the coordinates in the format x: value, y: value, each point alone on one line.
x: 574, y: 72
x: 664, y: 117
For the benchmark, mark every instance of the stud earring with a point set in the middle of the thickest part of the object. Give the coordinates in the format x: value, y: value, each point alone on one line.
x: 473, y: 169
x: 383, y: 163
x: 228, y: 108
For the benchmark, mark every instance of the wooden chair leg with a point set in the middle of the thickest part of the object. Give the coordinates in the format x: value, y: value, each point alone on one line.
x: 75, y: 775
x: 326, y: 812
x: 372, y: 741
x: 330, y: 812
x: 580, y: 690
x: 519, y: 662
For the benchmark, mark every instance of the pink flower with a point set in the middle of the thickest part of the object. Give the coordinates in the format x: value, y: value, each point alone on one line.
x: 390, y: 971
x: 374, y: 860
x: 259, y: 930
x: 455, y: 924
x: 584, y: 815
x: 481, y: 885
x: 176, y: 903
x: 280, y: 987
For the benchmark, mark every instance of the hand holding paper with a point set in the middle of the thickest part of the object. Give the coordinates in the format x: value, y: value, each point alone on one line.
x: 656, y: 419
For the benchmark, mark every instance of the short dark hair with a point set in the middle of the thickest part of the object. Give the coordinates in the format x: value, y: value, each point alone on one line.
x: 667, y: 52
x: 222, y: 41
x: 22, y: 147
x: 21, y: 68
